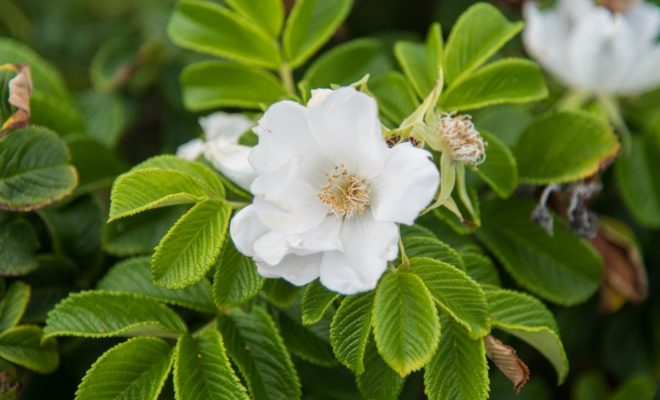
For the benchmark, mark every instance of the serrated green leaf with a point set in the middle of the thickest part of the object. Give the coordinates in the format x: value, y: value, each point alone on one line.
x: 431, y: 247
x: 528, y: 319
x: 210, y: 180
x: 561, y: 268
x: 45, y: 78
x: 578, y: 150
x: 459, y: 369
x: 308, y: 342
x: 379, y: 381
x: 162, y: 181
x: 421, y: 62
x: 500, y: 170
x: 505, y: 81
x: 348, y: 63
x: 268, y: 14
x: 315, y: 302
x: 396, y: 98
x: 480, y: 268
x: 256, y: 347
x: 202, y: 370
x: 280, y: 292
x: 638, y: 180
x: 97, y: 166
x: 13, y: 305
x: 455, y: 292
x: 140, y: 233
x: 134, y: 276
x: 310, y: 24
x: 212, y: 84
x: 192, y: 246
x: 405, y: 321
x: 149, y: 188
x: 477, y: 35
x: 102, y: 314
x: 210, y: 28
x: 416, y: 230
x: 35, y: 169
x: 18, y: 245
x: 132, y: 370
x: 236, y: 279
x: 350, y: 328
x: 75, y: 230
x: 24, y: 345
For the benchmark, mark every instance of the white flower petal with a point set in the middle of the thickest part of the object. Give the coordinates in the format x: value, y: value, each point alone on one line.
x: 368, y: 246
x: 545, y: 38
x: 221, y: 125
x: 232, y: 160
x: 245, y: 228
x: 318, y: 95
x: 287, y: 203
x: 298, y: 270
x: 590, y: 48
x: 346, y: 127
x: 190, y: 150
x: 601, y: 51
x: 338, y: 276
x: 645, y: 75
x: 324, y: 237
x: 407, y: 185
x: 271, y: 248
x: 285, y: 136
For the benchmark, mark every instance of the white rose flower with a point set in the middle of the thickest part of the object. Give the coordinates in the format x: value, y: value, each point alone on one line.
x: 220, y: 146
x: 592, y: 49
x: 329, y: 193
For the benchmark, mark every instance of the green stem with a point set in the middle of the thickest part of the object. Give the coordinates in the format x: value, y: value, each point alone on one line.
x: 613, y: 110
x: 573, y: 99
x: 286, y: 75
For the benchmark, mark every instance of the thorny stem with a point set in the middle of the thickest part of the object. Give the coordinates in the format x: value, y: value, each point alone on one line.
x: 405, y: 261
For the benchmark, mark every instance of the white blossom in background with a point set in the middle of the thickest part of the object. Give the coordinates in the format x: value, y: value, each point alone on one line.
x: 329, y: 193
x: 593, y: 49
x: 220, y: 146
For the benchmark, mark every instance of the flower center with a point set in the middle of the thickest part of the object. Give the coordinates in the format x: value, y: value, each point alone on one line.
x: 344, y: 193
x: 461, y: 139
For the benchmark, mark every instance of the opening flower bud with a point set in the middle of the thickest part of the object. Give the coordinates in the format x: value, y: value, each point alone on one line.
x: 457, y: 136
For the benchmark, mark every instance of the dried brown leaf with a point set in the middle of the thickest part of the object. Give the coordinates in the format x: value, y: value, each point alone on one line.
x: 624, y: 276
x: 20, y: 90
x: 506, y: 359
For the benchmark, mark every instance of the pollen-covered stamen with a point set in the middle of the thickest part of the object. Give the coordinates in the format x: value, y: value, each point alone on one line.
x: 461, y: 139
x: 344, y: 193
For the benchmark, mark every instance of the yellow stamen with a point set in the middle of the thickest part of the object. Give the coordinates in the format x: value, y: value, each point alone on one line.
x: 344, y: 193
